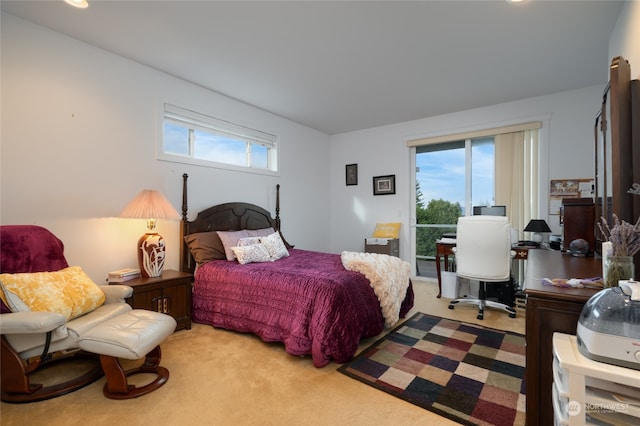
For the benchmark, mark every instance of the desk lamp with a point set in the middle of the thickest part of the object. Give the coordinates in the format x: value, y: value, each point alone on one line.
x: 537, y: 226
x: 150, y: 205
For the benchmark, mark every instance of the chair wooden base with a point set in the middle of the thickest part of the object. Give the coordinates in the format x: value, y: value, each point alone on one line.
x: 118, y: 387
x: 16, y: 385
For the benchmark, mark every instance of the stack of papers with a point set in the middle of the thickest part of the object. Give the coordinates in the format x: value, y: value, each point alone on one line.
x: 123, y: 275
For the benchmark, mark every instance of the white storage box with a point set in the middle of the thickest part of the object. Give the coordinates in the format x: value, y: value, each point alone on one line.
x: 450, y: 285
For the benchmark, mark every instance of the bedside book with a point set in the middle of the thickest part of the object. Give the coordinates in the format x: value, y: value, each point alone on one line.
x: 122, y: 275
x: 122, y: 279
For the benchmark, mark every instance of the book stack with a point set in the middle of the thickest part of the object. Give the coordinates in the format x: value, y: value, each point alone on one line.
x: 122, y: 275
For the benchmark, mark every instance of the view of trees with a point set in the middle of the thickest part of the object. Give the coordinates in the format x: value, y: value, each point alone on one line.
x: 436, y: 212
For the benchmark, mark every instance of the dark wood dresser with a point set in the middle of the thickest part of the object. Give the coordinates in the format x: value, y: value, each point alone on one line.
x: 550, y: 309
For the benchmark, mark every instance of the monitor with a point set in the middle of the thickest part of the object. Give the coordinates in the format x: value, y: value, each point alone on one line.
x: 490, y: 210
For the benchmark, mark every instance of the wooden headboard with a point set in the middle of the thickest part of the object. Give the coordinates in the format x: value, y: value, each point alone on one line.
x: 224, y: 217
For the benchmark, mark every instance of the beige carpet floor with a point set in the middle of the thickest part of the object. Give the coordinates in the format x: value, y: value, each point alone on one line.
x: 225, y: 378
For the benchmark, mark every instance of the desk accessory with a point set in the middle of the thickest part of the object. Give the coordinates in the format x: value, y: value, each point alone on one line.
x: 538, y: 227
x: 609, y: 326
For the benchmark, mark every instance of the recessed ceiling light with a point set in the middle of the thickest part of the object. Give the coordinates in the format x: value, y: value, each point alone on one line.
x: 81, y: 4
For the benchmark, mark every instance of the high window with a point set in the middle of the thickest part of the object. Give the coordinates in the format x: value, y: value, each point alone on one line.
x: 195, y: 138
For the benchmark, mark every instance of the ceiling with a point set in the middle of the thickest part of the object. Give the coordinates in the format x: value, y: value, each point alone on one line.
x: 339, y: 66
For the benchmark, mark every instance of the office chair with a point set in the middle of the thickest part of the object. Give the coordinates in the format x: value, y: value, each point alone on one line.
x: 483, y: 253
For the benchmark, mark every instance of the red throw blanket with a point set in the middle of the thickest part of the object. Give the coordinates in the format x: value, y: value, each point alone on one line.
x: 308, y: 301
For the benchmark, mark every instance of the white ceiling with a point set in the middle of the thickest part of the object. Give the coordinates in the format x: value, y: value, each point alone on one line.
x: 339, y: 66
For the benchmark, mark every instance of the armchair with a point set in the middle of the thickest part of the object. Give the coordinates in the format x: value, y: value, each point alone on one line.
x: 31, y: 340
x: 483, y: 253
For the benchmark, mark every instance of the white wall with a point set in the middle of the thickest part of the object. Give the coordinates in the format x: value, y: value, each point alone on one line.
x: 78, y: 142
x: 567, y: 153
x: 79, y: 128
x: 625, y: 38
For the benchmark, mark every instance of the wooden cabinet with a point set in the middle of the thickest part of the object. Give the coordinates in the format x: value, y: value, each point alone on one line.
x: 578, y: 221
x: 550, y: 309
x: 392, y: 248
x: 169, y: 294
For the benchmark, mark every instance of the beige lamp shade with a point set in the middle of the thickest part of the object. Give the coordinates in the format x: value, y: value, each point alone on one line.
x: 151, y: 205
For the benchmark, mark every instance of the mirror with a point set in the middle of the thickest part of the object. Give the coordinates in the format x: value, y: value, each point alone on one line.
x: 603, y: 175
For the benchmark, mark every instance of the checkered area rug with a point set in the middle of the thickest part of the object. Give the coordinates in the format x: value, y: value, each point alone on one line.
x: 464, y: 372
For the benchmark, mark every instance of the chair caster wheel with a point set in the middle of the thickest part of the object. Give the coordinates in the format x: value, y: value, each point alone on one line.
x: 480, y: 316
x: 512, y: 315
x: 450, y: 306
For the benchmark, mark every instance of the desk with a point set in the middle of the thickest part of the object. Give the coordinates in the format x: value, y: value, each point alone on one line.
x: 444, y: 249
x: 550, y: 309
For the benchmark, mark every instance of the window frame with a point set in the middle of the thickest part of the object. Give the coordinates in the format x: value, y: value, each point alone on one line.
x: 197, y: 121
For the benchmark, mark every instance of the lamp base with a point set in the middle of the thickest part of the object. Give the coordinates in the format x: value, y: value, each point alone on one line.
x: 151, y: 255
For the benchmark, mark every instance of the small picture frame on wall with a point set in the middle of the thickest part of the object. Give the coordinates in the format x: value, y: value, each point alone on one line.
x: 384, y: 185
x: 351, y: 174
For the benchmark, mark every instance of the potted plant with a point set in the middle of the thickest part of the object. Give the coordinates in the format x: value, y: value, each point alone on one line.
x: 625, y: 243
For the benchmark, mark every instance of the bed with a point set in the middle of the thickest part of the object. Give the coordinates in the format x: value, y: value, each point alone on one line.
x: 307, y: 300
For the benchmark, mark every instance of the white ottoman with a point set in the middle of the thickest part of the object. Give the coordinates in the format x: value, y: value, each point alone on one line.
x: 132, y: 335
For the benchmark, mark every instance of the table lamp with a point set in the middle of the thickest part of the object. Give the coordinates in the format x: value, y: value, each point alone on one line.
x: 150, y: 205
x: 537, y: 226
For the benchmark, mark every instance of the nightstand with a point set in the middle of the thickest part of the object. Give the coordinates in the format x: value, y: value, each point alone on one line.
x: 392, y: 247
x: 169, y: 294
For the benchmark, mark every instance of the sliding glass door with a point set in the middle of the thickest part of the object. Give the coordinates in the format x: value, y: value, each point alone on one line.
x: 451, y: 177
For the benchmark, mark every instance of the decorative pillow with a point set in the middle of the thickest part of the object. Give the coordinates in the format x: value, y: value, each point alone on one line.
x: 387, y: 230
x: 260, y: 232
x: 275, y: 246
x: 13, y: 301
x: 251, y: 253
x: 230, y: 239
x: 69, y: 292
x: 248, y: 241
x: 205, y: 246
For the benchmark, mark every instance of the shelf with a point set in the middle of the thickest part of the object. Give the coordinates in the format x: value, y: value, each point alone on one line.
x: 590, y: 392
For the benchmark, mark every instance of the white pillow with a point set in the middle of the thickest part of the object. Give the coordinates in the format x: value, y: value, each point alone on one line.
x: 251, y: 253
x: 248, y: 241
x: 275, y: 246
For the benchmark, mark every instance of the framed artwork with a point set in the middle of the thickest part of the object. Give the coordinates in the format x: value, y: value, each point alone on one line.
x: 568, y: 188
x: 384, y: 185
x: 351, y: 173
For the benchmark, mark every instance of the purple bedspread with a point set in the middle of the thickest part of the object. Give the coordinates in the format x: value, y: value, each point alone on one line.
x: 308, y: 301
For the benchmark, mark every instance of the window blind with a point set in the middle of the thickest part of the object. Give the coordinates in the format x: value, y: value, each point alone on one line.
x: 475, y: 134
x: 197, y: 120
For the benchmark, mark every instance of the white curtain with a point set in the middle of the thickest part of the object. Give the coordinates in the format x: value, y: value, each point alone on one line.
x: 516, y: 176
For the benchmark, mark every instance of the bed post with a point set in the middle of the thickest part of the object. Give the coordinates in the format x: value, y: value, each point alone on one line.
x: 184, y: 196
x: 277, y: 207
x: 184, y: 252
x: 277, y: 219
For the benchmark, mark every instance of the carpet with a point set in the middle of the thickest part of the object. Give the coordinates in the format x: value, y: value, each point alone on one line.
x: 465, y: 372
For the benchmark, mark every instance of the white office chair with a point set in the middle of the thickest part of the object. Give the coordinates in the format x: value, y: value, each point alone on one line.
x: 483, y: 253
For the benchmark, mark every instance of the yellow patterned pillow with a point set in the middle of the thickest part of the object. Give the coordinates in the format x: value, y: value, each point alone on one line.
x: 69, y: 291
x: 387, y: 230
